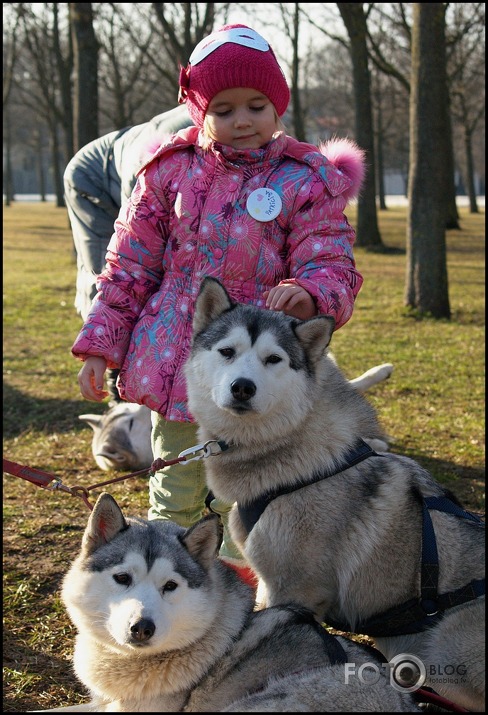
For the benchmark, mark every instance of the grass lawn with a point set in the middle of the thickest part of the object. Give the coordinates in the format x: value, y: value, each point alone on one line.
x: 433, y: 407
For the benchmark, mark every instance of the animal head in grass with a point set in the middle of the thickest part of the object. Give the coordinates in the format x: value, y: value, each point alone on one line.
x: 121, y: 436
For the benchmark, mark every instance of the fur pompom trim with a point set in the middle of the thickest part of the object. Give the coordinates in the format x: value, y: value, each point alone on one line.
x: 349, y: 159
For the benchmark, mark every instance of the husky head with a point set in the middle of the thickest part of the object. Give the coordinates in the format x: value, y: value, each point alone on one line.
x: 144, y: 586
x: 252, y: 365
x: 121, y: 436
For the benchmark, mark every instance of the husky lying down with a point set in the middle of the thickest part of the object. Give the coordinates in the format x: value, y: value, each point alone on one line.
x: 122, y: 435
x: 369, y: 542
x: 165, y: 626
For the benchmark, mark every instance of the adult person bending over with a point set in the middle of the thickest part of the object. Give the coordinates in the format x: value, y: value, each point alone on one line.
x: 233, y: 197
x: 97, y: 181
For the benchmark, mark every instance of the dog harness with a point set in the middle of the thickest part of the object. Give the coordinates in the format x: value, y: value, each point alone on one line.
x: 417, y: 614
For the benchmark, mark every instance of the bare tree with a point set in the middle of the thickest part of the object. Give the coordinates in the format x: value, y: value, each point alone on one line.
x: 467, y: 83
x: 291, y: 23
x: 426, y: 286
x: 63, y: 62
x: 8, y: 185
x: 133, y: 66
x: 39, y: 89
x: 85, y: 90
x: 135, y: 74
x: 354, y: 17
x: 183, y: 27
x: 10, y: 46
x: 390, y: 49
x: 390, y: 108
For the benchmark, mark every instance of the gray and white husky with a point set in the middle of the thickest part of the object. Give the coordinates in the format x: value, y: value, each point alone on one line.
x: 165, y: 626
x: 369, y: 542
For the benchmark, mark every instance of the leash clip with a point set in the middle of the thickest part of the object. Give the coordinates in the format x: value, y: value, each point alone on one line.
x: 201, y: 451
x: 55, y: 484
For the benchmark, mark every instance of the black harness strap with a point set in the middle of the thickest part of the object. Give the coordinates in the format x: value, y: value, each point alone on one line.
x: 250, y: 512
x: 332, y: 646
x: 418, y: 614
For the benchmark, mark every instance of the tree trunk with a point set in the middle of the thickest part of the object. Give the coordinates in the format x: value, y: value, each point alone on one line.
x: 55, y: 162
x: 8, y: 174
x: 298, y: 123
x: 452, y: 214
x: 64, y: 69
x: 426, y: 288
x: 39, y: 154
x: 379, y: 154
x: 85, y: 50
x: 468, y: 150
x: 368, y: 233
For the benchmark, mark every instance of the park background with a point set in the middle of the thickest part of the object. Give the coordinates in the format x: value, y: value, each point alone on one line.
x: 433, y: 406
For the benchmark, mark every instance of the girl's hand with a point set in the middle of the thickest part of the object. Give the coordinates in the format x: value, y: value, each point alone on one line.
x: 292, y: 299
x: 90, y: 379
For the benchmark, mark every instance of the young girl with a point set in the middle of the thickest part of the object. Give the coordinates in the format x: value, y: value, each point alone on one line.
x: 233, y: 197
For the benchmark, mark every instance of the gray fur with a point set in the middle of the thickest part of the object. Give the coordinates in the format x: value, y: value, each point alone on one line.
x: 209, y: 651
x: 347, y: 547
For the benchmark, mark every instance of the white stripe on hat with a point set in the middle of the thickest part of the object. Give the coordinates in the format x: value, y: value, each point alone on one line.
x: 238, y: 35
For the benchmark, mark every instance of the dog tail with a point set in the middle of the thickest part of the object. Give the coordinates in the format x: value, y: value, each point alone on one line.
x: 348, y: 157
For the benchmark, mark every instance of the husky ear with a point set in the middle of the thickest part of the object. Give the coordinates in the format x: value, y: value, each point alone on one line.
x: 92, y: 420
x: 315, y: 335
x: 212, y: 300
x: 204, y: 538
x: 105, y: 522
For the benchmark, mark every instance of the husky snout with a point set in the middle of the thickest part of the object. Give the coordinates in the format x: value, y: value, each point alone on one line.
x: 243, y: 389
x: 138, y: 622
x: 110, y: 452
x: 142, y: 631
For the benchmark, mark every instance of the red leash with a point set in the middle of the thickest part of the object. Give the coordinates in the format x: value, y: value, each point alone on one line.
x: 52, y: 482
x: 423, y: 695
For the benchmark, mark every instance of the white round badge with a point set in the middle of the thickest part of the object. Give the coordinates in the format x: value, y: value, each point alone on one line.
x: 264, y: 204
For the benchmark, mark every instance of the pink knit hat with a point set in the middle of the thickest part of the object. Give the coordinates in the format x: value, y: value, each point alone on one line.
x: 234, y: 56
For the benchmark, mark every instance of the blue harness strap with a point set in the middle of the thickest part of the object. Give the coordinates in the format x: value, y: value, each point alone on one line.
x: 250, y: 512
x: 418, y: 614
x: 430, y: 599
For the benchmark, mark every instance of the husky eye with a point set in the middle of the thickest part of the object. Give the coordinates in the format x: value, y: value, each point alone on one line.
x: 123, y: 579
x: 169, y: 586
x: 228, y: 353
x: 272, y: 360
x: 131, y: 423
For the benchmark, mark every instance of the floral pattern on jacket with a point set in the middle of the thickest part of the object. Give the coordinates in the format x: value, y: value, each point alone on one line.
x: 187, y: 219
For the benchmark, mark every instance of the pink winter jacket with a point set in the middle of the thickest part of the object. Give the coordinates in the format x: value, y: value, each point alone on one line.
x: 187, y: 219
